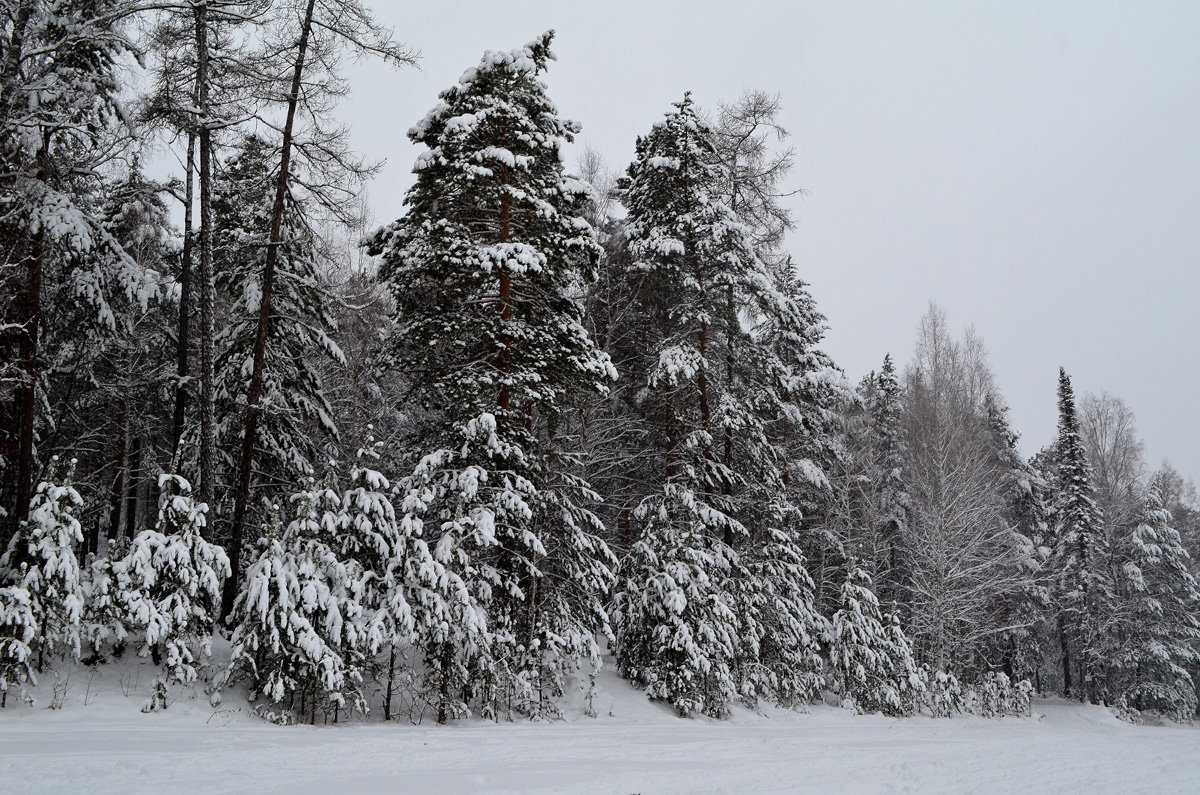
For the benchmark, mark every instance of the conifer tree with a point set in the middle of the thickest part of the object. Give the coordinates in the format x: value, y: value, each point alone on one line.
x: 170, y: 584
x: 734, y: 408
x: 887, y: 421
x: 298, y: 620
x: 1162, y: 629
x: 58, y: 77
x: 1079, y: 561
x: 41, y: 562
x: 1027, y: 514
x: 296, y: 416
x: 408, y: 595
x: 870, y: 656
x: 18, y: 629
x: 485, y: 268
x: 674, y: 612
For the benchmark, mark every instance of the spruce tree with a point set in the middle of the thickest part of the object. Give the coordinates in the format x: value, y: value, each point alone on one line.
x: 18, y: 629
x: 41, y: 562
x: 870, y: 656
x: 1084, y: 590
x: 1162, y: 629
x: 485, y: 269
x: 169, y: 585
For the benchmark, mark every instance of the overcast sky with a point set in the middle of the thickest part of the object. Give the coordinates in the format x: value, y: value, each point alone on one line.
x: 1033, y: 168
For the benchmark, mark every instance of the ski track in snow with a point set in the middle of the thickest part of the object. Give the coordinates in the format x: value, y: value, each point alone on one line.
x: 635, y: 746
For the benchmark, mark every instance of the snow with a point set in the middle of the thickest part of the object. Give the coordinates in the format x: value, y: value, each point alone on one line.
x: 107, y: 745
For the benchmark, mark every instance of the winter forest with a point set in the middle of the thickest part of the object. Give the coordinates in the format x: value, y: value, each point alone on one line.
x: 553, y: 417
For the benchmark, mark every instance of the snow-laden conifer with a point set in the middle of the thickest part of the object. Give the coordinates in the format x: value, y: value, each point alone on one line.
x: 18, y: 628
x: 296, y: 414
x: 169, y: 585
x: 734, y: 400
x: 1078, y: 564
x: 409, y: 597
x: 871, y: 658
x: 1161, y: 631
x: 297, y: 637
x: 41, y: 562
x: 486, y: 268
x: 675, y: 613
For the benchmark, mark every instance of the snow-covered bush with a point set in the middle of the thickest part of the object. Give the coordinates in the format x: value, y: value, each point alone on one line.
x: 169, y: 585
x: 18, y: 626
x: 873, y: 666
x: 995, y: 695
x: 104, y: 615
x: 41, y: 562
x: 942, y: 693
x: 298, y: 620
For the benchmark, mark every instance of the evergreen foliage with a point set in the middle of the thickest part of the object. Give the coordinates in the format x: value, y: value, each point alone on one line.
x: 1084, y: 587
x: 485, y: 269
x: 169, y: 585
x: 297, y: 634
x: 40, y: 563
x: 871, y: 658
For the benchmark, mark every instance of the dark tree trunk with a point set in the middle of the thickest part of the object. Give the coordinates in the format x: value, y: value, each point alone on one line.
x: 1066, y: 658
x: 27, y: 395
x: 185, y: 305
x: 208, y: 428
x: 116, y: 498
x: 131, y: 488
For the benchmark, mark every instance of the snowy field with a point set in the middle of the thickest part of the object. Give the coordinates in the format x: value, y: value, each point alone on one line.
x: 107, y: 745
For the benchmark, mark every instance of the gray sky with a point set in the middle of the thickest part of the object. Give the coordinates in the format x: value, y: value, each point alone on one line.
x: 1034, y: 168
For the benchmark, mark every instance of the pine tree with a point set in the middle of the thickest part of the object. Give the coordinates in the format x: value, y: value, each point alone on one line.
x: 298, y: 620
x: 485, y: 268
x: 408, y: 595
x: 1079, y: 561
x: 734, y: 407
x: 870, y: 656
x: 41, y: 562
x: 1162, y: 627
x: 169, y: 585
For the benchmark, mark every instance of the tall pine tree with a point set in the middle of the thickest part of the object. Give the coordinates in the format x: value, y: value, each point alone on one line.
x: 485, y: 268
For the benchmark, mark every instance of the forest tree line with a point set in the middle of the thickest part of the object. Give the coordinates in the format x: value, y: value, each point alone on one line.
x: 548, y: 413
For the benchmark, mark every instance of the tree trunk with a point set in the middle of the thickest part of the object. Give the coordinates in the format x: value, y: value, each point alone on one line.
x: 208, y: 429
x: 253, y: 407
x: 1066, y: 658
x: 185, y: 303
x: 27, y: 395
x: 116, y: 501
x: 387, y: 699
x: 131, y: 488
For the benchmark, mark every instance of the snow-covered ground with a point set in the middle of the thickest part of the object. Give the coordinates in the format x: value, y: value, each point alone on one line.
x: 107, y: 745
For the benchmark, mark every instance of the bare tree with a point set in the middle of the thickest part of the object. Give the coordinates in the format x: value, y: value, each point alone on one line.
x: 313, y: 37
x: 962, y: 559
x: 1109, y: 432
